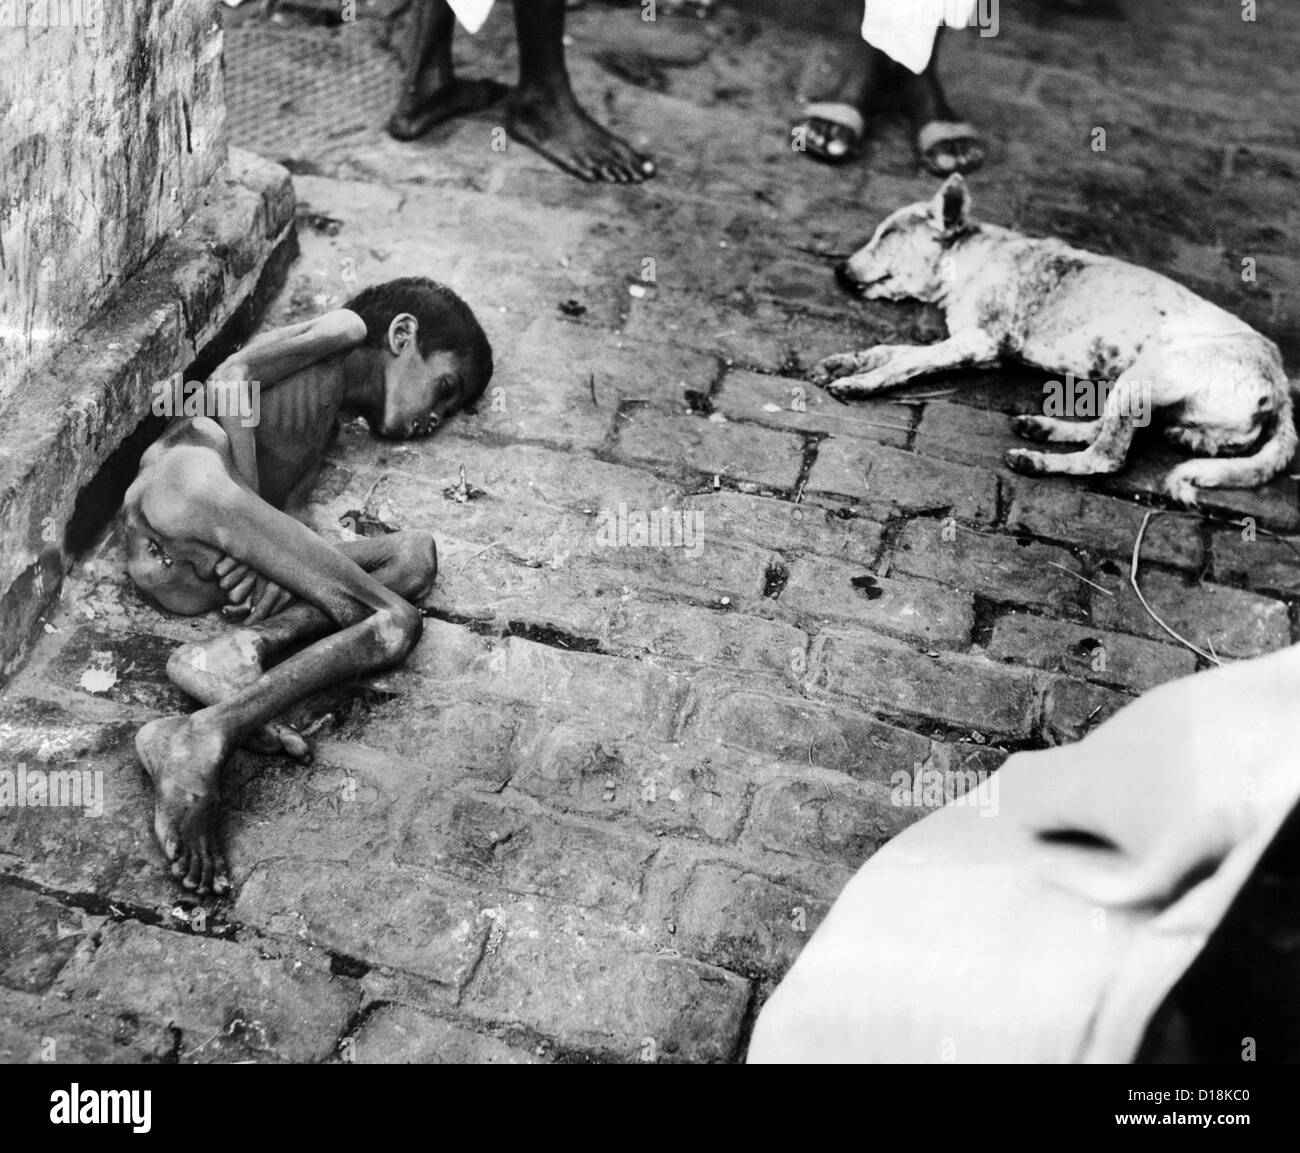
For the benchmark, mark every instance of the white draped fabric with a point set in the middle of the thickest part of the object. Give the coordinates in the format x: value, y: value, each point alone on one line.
x: 471, y: 13
x: 977, y: 935
x: 905, y: 29
x: 902, y: 29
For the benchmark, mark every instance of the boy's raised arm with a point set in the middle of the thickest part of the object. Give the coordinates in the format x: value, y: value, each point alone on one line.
x: 282, y: 352
x: 272, y: 357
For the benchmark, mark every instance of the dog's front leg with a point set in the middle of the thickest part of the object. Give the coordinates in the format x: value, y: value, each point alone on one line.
x: 890, y: 365
x: 1111, y: 437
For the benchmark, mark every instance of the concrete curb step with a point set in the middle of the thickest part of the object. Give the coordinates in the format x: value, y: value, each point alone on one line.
x: 57, y: 434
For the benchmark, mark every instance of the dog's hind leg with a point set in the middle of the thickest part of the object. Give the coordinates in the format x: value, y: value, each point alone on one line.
x: 1050, y: 430
x: 1127, y: 402
x: 1237, y: 471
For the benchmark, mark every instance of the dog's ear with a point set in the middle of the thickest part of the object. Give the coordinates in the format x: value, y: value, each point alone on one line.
x: 950, y: 208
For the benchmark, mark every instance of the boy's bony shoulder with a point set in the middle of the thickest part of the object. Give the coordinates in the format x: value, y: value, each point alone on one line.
x: 341, y: 325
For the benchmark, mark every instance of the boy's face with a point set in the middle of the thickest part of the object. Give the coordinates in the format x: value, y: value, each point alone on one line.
x: 419, y: 392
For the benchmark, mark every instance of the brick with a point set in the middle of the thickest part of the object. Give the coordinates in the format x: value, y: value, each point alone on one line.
x: 787, y: 527
x: 599, y: 990
x: 1058, y: 646
x: 789, y: 403
x: 1073, y: 708
x: 229, y: 1002
x: 1066, y: 513
x: 687, y: 788
x: 41, y: 1030
x: 490, y: 843
x: 972, y: 436
x: 765, y: 337
x: 794, y: 729
x: 70, y: 849
x: 1235, y: 623
x: 42, y: 732
x: 967, y: 435
x: 799, y: 282
x: 1265, y: 563
x: 705, y: 574
x: 464, y: 741
x: 1275, y: 505
x: 371, y: 910
x: 888, y: 479
x: 528, y: 476
x: 692, y: 445
x: 553, y: 349
x: 37, y: 937
x: 703, y: 636
x: 619, y: 697
x: 952, y: 688
x: 400, y: 1035
x: 909, y: 608
x: 994, y: 566
x: 745, y: 922
x: 964, y: 758
x: 825, y: 815
x: 94, y: 661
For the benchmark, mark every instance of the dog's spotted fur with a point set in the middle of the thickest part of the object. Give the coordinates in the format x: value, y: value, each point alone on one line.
x: 1219, y: 383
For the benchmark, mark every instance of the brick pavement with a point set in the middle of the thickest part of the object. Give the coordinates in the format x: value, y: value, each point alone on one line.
x: 597, y: 812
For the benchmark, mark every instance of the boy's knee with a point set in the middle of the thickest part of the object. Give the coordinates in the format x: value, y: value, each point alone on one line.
x: 419, y: 565
x: 397, y: 630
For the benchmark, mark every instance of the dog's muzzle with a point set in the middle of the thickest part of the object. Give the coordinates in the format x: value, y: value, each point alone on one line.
x: 845, y: 278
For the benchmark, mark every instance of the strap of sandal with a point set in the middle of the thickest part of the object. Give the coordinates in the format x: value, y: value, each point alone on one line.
x: 845, y: 115
x: 942, y: 131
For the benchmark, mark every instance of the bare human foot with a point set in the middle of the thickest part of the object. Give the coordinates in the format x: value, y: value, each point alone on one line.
x: 557, y: 127
x: 183, y: 756
x: 218, y: 669
x: 419, y: 111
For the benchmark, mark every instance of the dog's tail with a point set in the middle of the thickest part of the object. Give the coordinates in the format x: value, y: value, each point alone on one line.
x: 1240, y: 471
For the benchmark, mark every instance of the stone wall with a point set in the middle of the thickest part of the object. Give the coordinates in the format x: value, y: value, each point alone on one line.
x: 111, y: 124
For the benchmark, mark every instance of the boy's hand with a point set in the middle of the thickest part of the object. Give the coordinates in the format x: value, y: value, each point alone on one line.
x: 249, y: 594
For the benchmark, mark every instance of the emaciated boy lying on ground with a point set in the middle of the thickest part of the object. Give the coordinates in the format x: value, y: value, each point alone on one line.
x: 205, y: 528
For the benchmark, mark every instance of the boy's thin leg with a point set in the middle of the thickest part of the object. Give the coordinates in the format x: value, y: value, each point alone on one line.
x: 432, y: 92
x: 185, y: 755
x: 211, y: 671
x: 545, y: 115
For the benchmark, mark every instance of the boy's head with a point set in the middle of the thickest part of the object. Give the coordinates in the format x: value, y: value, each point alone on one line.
x: 434, y: 355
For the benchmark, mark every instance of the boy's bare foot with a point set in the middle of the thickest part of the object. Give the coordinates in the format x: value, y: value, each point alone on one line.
x: 212, y: 671
x: 184, y: 758
x: 418, y: 111
x: 558, y: 128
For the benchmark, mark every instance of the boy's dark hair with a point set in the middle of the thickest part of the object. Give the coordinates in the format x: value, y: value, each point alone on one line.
x: 446, y: 324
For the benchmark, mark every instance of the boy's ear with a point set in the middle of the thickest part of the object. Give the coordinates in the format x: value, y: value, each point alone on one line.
x: 401, y: 332
x: 950, y: 208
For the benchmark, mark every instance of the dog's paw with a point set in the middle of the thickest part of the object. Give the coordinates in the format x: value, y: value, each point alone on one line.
x: 1182, y: 490
x: 1024, y: 460
x: 832, y: 367
x: 858, y: 385
x: 1033, y: 428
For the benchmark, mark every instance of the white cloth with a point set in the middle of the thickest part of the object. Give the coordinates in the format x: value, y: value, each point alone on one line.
x: 471, y: 13
x: 905, y: 29
x: 973, y: 937
x: 902, y: 29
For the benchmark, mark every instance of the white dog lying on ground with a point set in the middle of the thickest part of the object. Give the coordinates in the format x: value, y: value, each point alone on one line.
x: 1050, y: 927
x: 1008, y: 297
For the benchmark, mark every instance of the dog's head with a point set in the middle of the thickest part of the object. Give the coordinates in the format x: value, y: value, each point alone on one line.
x: 904, y: 260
